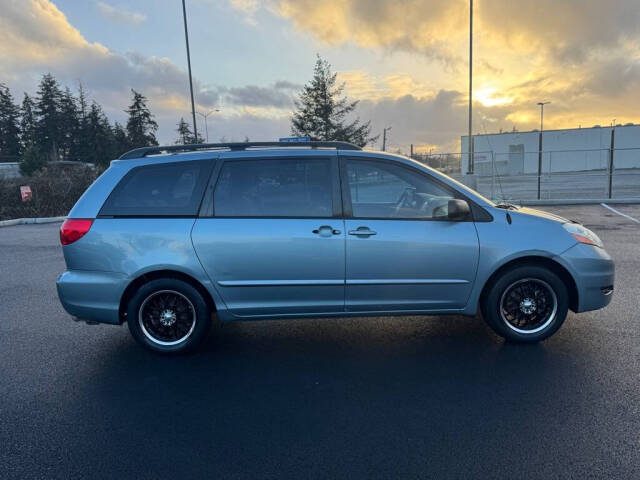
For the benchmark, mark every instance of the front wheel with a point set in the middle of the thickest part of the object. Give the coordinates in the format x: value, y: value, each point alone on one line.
x: 168, y: 316
x: 526, y: 304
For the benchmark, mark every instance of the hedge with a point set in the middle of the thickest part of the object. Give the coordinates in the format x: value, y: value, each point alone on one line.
x: 54, y: 191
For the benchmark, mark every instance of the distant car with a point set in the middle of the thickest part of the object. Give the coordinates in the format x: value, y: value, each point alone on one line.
x: 169, y: 236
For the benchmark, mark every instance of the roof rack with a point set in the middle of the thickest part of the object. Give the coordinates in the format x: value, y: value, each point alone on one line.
x: 145, y: 151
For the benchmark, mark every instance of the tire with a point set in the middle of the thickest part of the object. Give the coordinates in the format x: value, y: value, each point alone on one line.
x: 168, y: 316
x: 526, y: 304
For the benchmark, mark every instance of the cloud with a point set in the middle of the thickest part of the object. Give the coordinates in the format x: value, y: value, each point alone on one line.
x: 36, y: 37
x: 287, y: 85
x: 584, y: 59
x: 413, y: 25
x: 248, y: 8
x: 121, y: 15
x: 566, y: 30
x: 435, y: 119
x: 581, y: 55
x: 362, y: 85
x: 37, y: 32
x: 255, y: 96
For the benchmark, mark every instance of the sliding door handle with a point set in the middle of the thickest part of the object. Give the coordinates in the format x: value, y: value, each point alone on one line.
x: 326, y: 230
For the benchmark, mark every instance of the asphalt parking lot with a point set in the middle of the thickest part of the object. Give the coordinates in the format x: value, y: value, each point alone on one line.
x: 402, y: 397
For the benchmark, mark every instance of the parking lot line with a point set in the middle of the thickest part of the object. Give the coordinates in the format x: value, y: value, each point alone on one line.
x: 620, y: 213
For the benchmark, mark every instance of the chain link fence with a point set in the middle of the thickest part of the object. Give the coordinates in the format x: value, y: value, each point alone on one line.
x: 593, y: 174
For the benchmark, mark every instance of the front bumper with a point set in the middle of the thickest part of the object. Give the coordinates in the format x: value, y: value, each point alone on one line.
x: 92, y: 296
x: 593, y: 271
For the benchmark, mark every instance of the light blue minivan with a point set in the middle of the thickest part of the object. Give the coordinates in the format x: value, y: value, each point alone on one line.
x: 167, y: 237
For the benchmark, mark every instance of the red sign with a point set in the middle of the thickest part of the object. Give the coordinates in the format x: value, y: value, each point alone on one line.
x: 25, y: 192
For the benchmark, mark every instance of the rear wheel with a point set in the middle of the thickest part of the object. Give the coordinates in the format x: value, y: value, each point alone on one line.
x: 168, y: 316
x: 526, y: 304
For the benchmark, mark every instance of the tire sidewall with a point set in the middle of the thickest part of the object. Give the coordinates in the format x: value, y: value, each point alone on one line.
x: 492, y: 305
x: 198, y: 302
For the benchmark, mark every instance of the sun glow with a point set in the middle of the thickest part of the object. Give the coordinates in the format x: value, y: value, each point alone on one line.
x: 489, y: 98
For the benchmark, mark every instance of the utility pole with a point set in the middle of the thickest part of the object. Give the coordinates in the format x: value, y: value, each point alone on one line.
x: 186, y: 38
x: 470, y: 137
x: 384, y: 138
x: 542, y: 104
x: 206, y: 126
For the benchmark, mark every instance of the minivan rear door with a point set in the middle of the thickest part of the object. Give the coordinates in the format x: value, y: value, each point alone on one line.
x: 402, y: 251
x: 271, y: 237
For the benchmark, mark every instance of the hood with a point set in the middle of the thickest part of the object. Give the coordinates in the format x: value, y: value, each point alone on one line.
x: 539, y: 213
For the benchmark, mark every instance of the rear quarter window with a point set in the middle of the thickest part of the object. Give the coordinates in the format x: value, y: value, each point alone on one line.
x: 167, y: 189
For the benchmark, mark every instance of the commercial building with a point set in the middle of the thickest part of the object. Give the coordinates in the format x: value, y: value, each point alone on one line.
x: 568, y: 150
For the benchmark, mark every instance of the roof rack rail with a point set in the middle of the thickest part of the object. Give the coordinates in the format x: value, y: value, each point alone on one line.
x: 145, y: 151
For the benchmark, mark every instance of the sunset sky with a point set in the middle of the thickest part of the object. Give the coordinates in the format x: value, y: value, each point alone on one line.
x: 405, y: 60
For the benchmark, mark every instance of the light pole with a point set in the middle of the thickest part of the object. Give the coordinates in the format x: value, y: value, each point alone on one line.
x: 186, y: 38
x: 611, y: 152
x: 206, y: 126
x: 384, y: 138
x: 542, y: 104
x: 470, y: 137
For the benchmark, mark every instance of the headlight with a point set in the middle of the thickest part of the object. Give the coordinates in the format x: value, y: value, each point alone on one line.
x: 582, y: 234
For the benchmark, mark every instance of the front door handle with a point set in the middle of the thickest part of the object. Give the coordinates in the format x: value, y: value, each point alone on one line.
x: 362, y: 232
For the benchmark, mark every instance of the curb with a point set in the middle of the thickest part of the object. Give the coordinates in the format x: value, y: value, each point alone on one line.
x: 26, y: 221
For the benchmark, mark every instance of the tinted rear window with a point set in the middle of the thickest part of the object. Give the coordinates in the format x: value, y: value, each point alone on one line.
x: 159, y: 190
x: 275, y: 188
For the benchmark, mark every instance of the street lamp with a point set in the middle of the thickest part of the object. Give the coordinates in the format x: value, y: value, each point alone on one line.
x: 186, y: 38
x: 384, y: 138
x: 206, y: 126
x: 542, y: 104
x: 470, y: 137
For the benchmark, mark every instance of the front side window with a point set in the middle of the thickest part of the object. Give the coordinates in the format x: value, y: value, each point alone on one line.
x: 385, y: 190
x: 165, y: 189
x: 274, y: 188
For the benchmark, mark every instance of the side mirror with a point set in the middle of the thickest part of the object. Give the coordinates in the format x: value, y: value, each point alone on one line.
x: 458, y: 209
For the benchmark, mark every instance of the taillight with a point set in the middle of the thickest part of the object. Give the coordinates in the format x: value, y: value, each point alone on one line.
x: 74, y: 229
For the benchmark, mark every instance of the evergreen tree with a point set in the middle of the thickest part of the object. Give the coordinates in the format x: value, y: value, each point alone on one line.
x: 82, y: 103
x: 82, y: 148
x: 32, y: 160
x: 99, y: 136
x: 48, y: 131
x: 27, y: 123
x: 10, y: 147
x: 184, y: 132
x: 120, y: 141
x: 141, y: 127
x: 69, y: 125
x: 321, y: 110
x: 185, y: 135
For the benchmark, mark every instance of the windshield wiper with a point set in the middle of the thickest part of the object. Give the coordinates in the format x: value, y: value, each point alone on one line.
x: 506, y: 206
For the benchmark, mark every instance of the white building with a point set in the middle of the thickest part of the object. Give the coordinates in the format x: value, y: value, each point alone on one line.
x: 576, y: 149
x: 9, y: 170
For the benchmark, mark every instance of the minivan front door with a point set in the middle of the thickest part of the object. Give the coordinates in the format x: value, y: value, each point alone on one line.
x: 274, y: 244
x: 402, y: 252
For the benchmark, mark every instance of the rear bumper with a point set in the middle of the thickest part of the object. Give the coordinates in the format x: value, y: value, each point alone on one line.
x: 92, y: 296
x: 593, y: 271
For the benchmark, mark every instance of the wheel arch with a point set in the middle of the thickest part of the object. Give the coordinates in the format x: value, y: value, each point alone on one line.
x: 156, y: 274
x: 538, y: 261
